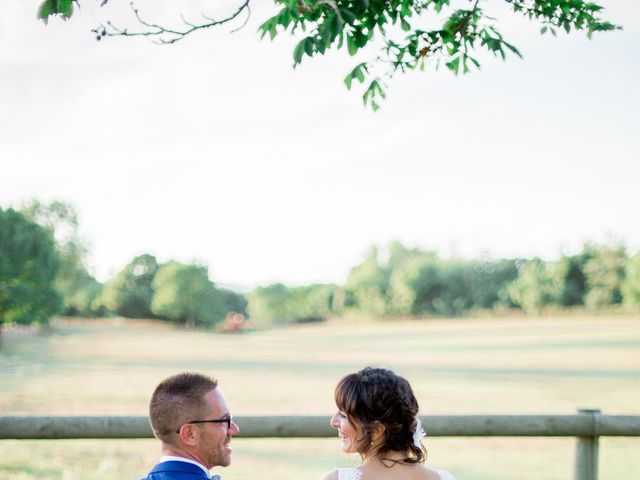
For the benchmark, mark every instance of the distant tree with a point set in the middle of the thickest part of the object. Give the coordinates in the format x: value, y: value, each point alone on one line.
x: 313, y: 302
x: 571, y: 279
x: 631, y: 285
x: 268, y: 304
x: 490, y: 282
x: 416, y: 284
x: 277, y: 303
x: 535, y: 286
x: 232, y: 301
x: 399, y: 253
x: 457, y: 277
x: 604, y: 273
x: 183, y: 293
x: 28, y: 266
x: 367, y: 286
x: 323, y: 300
x: 130, y: 292
x: 395, y: 27
x: 80, y: 296
x: 76, y: 285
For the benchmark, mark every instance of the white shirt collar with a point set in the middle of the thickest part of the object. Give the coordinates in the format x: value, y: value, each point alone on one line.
x: 174, y: 458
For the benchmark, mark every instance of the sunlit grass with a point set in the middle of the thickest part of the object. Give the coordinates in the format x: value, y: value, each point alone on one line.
x: 456, y: 366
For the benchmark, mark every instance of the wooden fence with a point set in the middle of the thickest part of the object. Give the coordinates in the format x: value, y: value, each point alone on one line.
x: 587, y: 426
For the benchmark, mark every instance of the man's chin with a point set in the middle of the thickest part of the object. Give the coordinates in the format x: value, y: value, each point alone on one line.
x: 225, y: 461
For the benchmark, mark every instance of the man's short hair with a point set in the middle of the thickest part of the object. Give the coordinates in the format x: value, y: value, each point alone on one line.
x: 177, y: 400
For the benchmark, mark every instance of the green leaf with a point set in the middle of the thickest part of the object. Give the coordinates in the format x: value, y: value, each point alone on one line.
x: 336, y: 27
x: 512, y: 48
x: 309, y: 44
x: 348, y: 15
x: 374, y: 90
x: 352, y: 47
x: 65, y: 8
x: 298, y: 52
x: 348, y: 80
x: 361, y: 39
x: 269, y: 27
x: 45, y: 11
x: 330, y: 28
x: 594, y: 7
x: 453, y: 65
x: 48, y: 8
x: 357, y: 73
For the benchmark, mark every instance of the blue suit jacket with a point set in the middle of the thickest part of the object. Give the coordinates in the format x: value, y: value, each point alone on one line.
x: 176, y: 471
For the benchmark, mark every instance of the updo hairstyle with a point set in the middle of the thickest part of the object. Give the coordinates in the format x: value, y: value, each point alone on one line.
x: 379, y: 395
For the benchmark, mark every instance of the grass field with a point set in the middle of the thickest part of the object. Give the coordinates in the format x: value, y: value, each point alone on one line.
x: 456, y: 366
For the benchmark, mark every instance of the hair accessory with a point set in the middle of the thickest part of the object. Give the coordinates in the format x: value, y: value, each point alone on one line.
x: 418, y: 433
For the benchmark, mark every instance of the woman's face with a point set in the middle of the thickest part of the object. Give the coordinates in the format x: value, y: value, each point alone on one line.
x: 349, y: 433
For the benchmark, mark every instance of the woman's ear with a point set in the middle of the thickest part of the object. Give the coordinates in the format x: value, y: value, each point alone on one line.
x: 378, y: 432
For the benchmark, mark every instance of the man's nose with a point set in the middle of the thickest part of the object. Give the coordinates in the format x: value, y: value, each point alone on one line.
x: 234, y: 430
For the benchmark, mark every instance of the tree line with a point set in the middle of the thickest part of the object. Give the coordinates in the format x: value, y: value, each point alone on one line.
x: 400, y: 281
x: 43, y: 272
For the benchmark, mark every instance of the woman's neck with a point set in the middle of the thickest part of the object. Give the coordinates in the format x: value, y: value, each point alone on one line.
x: 390, y: 456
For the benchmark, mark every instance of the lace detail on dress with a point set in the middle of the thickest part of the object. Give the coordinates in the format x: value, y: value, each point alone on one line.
x: 349, y: 474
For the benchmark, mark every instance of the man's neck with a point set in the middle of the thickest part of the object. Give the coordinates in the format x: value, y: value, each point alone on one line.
x: 174, y: 451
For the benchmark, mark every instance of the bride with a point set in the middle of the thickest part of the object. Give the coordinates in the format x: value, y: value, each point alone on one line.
x: 377, y: 418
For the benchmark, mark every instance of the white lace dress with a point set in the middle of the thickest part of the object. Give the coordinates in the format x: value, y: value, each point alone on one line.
x: 356, y: 474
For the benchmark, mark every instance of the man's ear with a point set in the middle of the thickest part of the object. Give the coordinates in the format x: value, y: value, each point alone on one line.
x: 188, y: 435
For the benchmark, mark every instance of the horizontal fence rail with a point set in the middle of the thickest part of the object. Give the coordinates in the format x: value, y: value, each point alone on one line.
x: 588, y: 426
x: 582, y: 425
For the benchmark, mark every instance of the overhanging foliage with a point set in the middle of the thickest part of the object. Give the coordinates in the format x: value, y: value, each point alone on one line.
x: 396, y: 25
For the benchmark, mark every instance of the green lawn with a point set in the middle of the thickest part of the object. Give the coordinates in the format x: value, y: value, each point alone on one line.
x: 456, y: 366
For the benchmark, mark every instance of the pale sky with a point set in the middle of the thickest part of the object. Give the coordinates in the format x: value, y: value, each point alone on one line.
x: 216, y: 150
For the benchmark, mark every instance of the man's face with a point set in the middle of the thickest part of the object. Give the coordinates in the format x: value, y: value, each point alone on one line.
x: 215, y: 438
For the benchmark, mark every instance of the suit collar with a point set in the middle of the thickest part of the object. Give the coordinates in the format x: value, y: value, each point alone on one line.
x: 177, y: 466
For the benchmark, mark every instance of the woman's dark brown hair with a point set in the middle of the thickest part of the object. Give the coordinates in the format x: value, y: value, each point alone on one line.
x: 376, y: 397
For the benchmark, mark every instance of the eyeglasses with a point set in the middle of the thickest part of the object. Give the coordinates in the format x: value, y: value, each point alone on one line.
x: 228, y: 420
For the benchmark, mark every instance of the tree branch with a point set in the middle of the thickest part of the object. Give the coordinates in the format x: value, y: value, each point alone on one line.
x: 163, y: 35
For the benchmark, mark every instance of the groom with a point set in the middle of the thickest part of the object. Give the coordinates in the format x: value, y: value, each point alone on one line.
x: 190, y: 416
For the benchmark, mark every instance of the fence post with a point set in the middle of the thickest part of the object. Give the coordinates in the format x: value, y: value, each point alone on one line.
x: 586, y: 467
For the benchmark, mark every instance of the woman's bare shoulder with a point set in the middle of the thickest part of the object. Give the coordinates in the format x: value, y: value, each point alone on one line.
x: 444, y: 475
x: 333, y: 475
x: 426, y: 473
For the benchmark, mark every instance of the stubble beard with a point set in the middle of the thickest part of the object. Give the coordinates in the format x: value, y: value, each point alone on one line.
x: 220, y: 457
